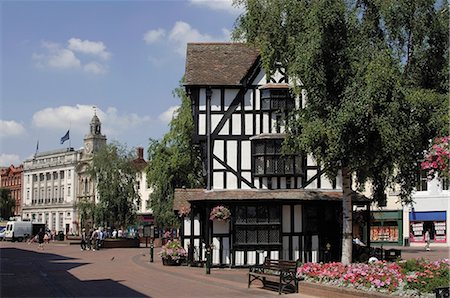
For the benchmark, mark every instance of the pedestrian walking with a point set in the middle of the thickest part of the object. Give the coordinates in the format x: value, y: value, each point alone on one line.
x: 83, y: 239
x: 41, y: 236
x: 94, y: 237
x: 427, y: 240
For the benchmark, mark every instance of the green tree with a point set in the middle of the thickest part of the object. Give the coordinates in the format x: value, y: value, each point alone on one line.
x: 7, y: 203
x: 370, y: 109
x: 114, y: 172
x: 174, y: 162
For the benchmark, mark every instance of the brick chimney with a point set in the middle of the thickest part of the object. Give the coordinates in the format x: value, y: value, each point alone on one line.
x: 140, y: 152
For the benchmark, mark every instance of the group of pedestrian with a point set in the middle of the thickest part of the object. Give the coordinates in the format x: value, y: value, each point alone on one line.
x: 92, y: 239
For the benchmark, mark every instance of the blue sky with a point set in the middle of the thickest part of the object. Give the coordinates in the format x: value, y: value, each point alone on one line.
x: 60, y: 58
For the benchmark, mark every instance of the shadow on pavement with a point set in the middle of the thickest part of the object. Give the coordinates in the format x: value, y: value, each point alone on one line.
x: 27, y: 273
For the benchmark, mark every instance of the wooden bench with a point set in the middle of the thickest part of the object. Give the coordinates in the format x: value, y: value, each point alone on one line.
x: 281, y: 273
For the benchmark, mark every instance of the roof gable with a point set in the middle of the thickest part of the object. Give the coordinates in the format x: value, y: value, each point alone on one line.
x: 218, y: 63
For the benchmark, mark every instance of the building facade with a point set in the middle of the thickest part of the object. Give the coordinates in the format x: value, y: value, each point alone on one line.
x: 143, y: 210
x: 11, y: 178
x: 49, y: 189
x: 282, y: 205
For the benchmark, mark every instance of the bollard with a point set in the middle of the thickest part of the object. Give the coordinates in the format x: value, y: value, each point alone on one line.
x: 208, y: 260
x: 151, y: 251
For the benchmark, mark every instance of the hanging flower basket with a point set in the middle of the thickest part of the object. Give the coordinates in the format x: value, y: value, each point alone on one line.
x: 220, y: 213
x: 184, y: 211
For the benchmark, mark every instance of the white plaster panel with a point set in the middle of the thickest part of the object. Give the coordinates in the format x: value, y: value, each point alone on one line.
x: 230, y: 94
x: 231, y: 181
x: 265, y: 128
x: 202, y: 100
x: 221, y: 227
x: 218, y: 180
x: 248, y: 176
x: 299, y: 182
x: 232, y: 154
x: 226, y: 250
x: 298, y: 218
x: 257, y: 124
x: 249, y: 124
x: 187, y: 226
x: 260, y: 78
x: 309, y: 175
x: 237, y: 126
x: 186, y: 243
x: 216, y: 251
x: 315, y: 248
x: 246, y: 148
x: 196, y: 226
x: 325, y: 183
x: 257, y: 99
x: 251, y: 257
x: 219, y: 152
x: 225, y: 130
x: 277, y: 76
x: 239, y: 257
x: 275, y: 183
x: 215, y: 119
x: 201, y: 124
x: 274, y: 255
x: 248, y: 100
x: 339, y: 180
x: 215, y: 100
x: 286, y: 247
x: 304, y: 97
x: 310, y: 161
x: 286, y: 218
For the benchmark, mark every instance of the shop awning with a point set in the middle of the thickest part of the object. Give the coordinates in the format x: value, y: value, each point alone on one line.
x: 427, y: 216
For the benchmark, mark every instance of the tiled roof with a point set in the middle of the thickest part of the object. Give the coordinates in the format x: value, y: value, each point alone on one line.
x: 218, y: 63
x: 184, y: 196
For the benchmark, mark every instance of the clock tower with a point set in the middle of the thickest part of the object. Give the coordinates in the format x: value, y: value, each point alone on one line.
x: 94, y: 139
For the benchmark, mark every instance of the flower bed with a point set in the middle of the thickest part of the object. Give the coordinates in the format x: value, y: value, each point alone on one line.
x: 403, y: 278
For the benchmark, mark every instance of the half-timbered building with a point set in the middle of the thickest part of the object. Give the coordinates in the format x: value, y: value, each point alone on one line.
x: 282, y: 205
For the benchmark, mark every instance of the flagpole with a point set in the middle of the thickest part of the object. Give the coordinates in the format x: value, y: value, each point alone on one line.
x: 70, y: 141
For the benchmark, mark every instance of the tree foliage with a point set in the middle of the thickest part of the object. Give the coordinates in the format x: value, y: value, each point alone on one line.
x: 174, y: 162
x: 7, y: 203
x: 115, y: 174
x: 373, y: 71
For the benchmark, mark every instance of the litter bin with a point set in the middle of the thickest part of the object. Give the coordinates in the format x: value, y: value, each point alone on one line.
x: 60, y: 236
x: 392, y: 254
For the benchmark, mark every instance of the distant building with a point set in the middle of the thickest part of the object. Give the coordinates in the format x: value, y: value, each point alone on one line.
x: 49, y: 189
x: 11, y: 178
x: 86, y: 187
x: 143, y: 210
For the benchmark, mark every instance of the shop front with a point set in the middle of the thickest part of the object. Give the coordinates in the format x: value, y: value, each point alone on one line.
x: 432, y: 221
x: 386, y: 228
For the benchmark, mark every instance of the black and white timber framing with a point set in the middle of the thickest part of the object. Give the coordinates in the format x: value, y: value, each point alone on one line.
x: 282, y: 205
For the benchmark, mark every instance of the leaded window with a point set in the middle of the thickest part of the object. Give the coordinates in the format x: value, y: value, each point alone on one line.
x: 270, y: 161
x: 257, y: 225
x: 277, y: 100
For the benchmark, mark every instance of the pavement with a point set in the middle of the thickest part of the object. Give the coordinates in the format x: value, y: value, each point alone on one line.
x: 63, y: 270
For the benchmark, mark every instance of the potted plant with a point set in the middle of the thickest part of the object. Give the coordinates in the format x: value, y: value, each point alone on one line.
x: 220, y: 213
x: 173, y: 253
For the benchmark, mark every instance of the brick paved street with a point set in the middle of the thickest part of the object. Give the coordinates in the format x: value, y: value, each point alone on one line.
x: 63, y: 270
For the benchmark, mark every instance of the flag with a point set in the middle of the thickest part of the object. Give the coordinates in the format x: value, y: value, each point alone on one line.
x: 65, y: 137
x: 37, y: 148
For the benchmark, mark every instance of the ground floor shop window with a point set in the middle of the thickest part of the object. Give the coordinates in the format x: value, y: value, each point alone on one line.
x: 437, y: 231
x: 386, y: 231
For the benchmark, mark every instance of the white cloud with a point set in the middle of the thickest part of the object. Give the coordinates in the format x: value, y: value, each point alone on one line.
x: 79, y: 116
x: 96, y: 48
x: 168, y: 114
x: 10, y: 128
x: 59, y: 57
x: 95, y: 68
x: 154, y: 35
x: 222, y: 5
x: 9, y: 159
x: 182, y: 33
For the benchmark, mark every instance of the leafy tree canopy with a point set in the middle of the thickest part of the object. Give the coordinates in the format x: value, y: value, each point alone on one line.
x: 115, y: 173
x: 174, y: 162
